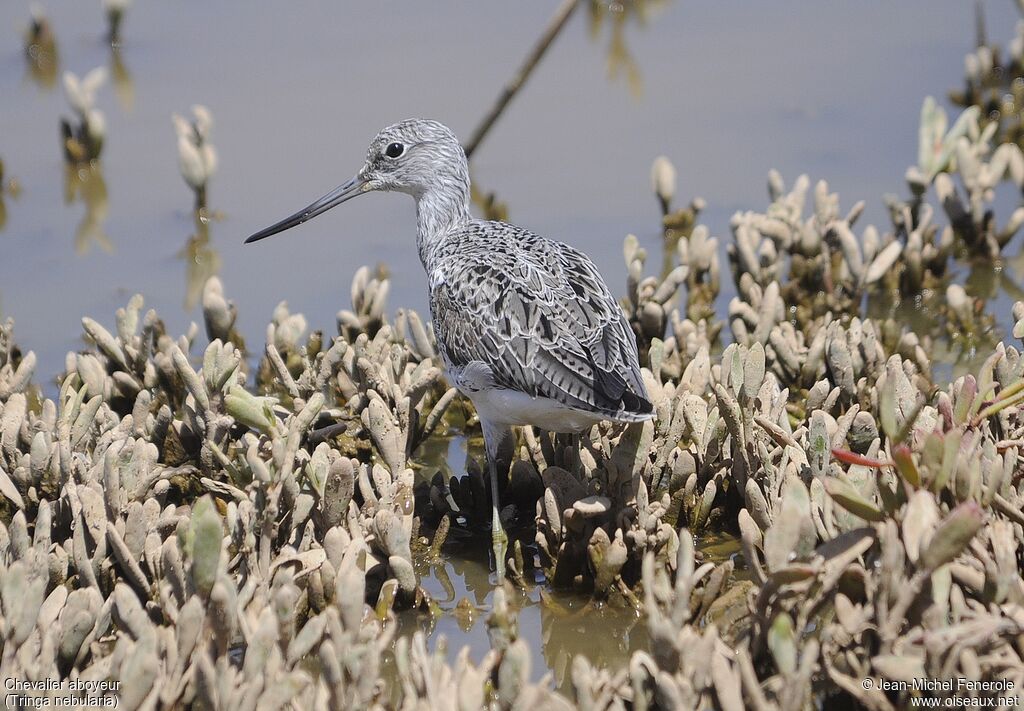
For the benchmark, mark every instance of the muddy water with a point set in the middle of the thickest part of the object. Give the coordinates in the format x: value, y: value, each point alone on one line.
x: 727, y: 90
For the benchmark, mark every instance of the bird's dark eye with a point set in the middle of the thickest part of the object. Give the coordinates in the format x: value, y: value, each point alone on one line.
x: 394, y: 150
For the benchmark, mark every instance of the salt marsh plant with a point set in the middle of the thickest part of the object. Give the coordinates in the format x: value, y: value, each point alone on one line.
x: 40, y: 45
x: 663, y: 182
x: 197, y: 158
x: 84, y: 134
x: 114, y: 10
x: 158, y: 516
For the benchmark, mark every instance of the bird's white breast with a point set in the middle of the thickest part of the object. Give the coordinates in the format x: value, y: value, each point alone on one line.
x: 513, y: 408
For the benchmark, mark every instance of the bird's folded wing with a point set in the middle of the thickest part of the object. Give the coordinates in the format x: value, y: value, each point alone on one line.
x: 543, y: 321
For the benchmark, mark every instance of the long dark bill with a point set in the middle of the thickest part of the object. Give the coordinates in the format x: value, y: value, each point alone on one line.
x: 337, y: 196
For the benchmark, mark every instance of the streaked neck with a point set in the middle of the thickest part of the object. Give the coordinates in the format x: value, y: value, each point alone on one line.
x: 440, y: 211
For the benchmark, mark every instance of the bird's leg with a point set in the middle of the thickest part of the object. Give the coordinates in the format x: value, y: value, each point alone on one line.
x: 494, y: 436
x: 499, y: 541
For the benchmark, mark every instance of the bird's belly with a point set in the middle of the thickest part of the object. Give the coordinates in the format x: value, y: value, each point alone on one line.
x: 513, y: 408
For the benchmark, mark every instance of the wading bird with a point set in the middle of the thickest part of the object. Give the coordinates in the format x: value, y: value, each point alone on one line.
x: 526, y: 327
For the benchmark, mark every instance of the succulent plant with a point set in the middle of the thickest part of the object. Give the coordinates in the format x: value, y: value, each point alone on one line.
x: 197, y: 158
x: 83, y: 138
x: 115, y: 10
x: 990, y: 72
x: 663, y: 182
x: 40, y: 44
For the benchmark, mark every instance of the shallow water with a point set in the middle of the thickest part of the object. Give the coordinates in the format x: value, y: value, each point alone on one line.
x: 558, y: 625
x: 726, y: 90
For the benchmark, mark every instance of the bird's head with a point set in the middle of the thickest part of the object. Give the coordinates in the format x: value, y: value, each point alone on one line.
x: 414, y: 156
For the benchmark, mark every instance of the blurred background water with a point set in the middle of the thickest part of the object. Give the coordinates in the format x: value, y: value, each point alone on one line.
x: 727, y: 90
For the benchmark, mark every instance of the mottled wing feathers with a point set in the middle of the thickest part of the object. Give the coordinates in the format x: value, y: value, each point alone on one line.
x: 538, y: 314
